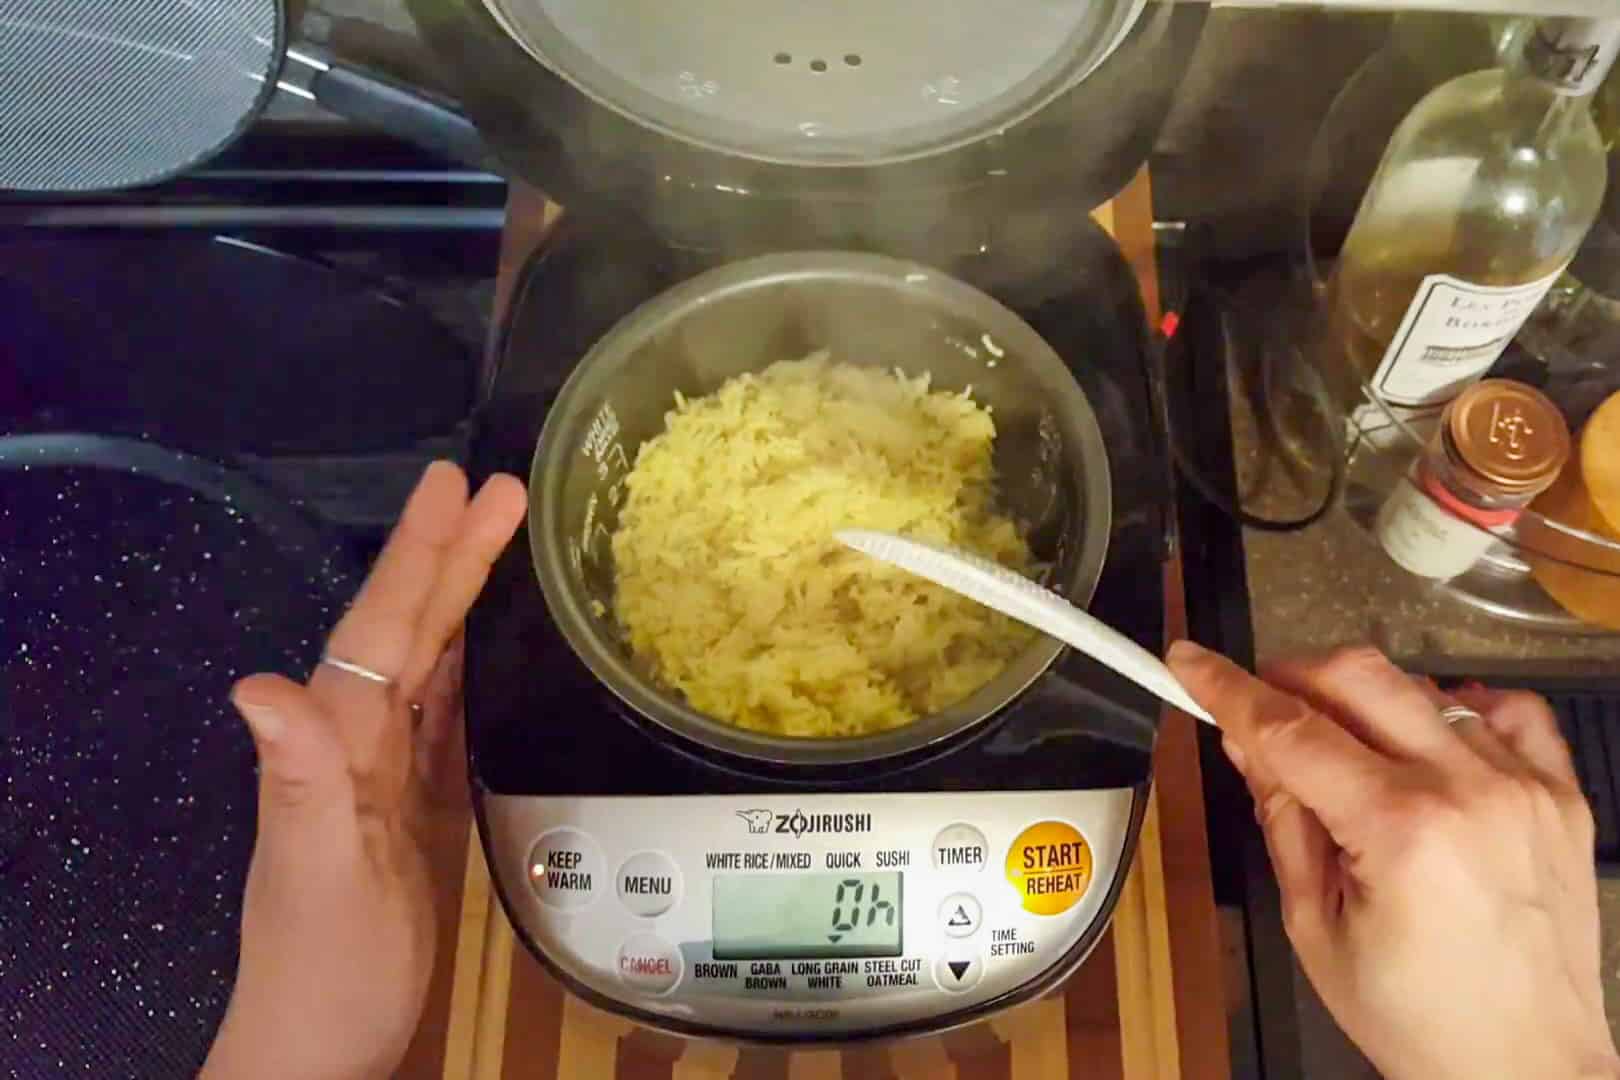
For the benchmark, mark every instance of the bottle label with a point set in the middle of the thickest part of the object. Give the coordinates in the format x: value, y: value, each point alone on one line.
x: 1572, y: 55
x: 1384, y: 427
x: 1452, y: 332
x: 1424, y: 538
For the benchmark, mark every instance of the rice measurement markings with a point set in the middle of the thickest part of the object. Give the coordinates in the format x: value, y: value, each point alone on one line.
x: 603, y: 447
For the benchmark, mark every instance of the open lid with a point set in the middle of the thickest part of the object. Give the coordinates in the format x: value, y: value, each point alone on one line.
x: 838, y: 83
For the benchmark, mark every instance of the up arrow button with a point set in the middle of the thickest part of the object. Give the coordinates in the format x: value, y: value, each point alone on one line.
x: 960, y: 915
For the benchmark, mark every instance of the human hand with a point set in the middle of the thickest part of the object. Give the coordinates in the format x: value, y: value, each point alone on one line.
x: 1437, y: 881
x: 337, y: 919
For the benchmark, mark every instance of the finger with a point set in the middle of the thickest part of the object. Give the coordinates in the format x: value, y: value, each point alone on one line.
x: 380, y: 626
x: 441, y: 695
x: 1525, y: 724
x: 377, y: 632
x: 1234, y: 753
x: 1470, y: 731
x: 1287, y: 745
x: 1305, y: 860
x: 486, y: 528
x: 304, y: 783
x: 1383, y: 705
x: 1474, y: 733
x: 441, y: 749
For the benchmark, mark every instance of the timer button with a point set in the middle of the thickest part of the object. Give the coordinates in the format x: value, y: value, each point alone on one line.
x: 649, y: 963
x: 649, y: 884
x: 959, y: 969
x: 566, y: 869
x: 960, y: 847
x: 960, y: 915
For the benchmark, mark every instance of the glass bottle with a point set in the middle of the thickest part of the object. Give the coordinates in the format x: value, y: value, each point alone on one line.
x: 1573, y: 338
x: 1423, y: 50
x: 1498, y: 445
x: 1606, y: 110
x: 1480, y: 200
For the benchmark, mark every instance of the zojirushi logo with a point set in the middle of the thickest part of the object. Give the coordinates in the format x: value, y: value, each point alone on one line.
x: 799, y: 823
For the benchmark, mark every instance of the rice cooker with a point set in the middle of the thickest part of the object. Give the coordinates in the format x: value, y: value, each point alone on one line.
x: 719, y: 882
x: 904, y: 184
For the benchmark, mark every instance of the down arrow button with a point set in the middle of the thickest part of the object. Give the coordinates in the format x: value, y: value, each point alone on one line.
x: 958, y: 971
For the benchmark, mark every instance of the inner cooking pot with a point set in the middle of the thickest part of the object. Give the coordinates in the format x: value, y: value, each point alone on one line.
x: 1051, y: 466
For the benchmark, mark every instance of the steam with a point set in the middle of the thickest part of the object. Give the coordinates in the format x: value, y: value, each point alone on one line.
x: 986, y: 208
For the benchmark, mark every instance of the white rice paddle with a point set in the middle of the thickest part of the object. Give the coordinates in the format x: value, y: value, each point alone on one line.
x: 1020, y: 598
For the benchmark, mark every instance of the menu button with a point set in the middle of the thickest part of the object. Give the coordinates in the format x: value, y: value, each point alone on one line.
x: 648, y: 883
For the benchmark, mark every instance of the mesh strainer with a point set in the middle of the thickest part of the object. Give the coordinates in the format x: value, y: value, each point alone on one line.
x: 830, y: 83
x: 114, y: 93
x: 99, y: 94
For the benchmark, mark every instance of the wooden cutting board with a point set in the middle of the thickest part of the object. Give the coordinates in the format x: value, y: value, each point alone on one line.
x: 1147, y: 1005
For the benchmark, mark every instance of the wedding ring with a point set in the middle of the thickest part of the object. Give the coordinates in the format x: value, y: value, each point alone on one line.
x: 358, y: 670
x: 1451, y: 714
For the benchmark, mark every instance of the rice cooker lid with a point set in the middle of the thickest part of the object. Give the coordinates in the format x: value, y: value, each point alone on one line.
x: 842, y: 82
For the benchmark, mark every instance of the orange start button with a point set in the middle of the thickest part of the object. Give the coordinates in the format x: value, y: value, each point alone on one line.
x: 1050, y: 866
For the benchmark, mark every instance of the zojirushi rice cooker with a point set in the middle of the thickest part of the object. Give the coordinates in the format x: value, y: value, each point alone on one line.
x: 714, y: 881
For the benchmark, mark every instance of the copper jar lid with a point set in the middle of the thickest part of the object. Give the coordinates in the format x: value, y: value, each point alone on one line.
x: 1509, y: 435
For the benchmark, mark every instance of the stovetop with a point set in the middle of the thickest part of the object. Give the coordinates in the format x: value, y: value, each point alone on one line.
x: 141, y: 582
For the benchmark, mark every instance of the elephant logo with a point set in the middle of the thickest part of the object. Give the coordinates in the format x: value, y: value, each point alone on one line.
x: 759, y: 821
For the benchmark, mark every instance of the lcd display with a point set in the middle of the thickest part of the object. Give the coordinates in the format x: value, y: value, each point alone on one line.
x: 806, y: 916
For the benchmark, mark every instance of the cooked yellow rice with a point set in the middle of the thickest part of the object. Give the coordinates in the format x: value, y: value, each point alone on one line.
x: 733, y: 590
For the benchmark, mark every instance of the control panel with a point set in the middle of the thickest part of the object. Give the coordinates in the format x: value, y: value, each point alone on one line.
x: 803, y: 915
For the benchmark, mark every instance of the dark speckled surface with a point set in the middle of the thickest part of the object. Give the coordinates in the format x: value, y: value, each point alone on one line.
x: 128, y: 606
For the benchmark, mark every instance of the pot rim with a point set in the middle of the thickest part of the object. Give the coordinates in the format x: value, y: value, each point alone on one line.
x: 606, y: 658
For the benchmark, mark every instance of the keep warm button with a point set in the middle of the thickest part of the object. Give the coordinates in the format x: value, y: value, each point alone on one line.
x: 566, y: 870
x: 1050, y: 866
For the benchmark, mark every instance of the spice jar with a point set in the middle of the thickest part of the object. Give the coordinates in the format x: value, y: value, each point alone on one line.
x: 1499, y: 444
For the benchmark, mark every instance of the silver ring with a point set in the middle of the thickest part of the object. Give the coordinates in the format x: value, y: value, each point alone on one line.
x: 355, y: 669
x: 1451, y: 714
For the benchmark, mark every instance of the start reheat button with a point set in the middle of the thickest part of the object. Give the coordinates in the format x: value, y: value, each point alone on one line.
x: 1050, y: 866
